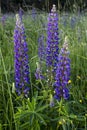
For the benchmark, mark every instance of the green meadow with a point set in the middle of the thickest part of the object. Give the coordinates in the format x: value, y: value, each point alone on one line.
x: 35, y: 112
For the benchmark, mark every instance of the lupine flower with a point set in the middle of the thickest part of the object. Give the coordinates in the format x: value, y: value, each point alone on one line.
x: 52, y: 41
x: 38, y: 73
x: 62, y: 73
x: 51, y: 100
x: 21, y: 59
x: 41, y: 55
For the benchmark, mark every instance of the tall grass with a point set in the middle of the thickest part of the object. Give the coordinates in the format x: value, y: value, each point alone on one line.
x: 17, y: 113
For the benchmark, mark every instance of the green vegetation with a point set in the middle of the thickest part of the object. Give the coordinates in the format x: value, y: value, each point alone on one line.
x: 35, y: 112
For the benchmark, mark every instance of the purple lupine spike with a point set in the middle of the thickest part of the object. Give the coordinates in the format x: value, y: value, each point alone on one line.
x: 62, y: 73
x: 21, y: 59
x: 52, y: 41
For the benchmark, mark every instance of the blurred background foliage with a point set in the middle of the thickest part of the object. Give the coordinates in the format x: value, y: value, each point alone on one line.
x: 13, y: 5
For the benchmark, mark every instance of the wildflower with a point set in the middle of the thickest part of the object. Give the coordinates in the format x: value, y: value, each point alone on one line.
x: 75, y: 116
x: 69, y: 81
x: 62, y: 73
x: 78, y: 77
x: 38, y: 73
x: 21, y: 59
x: 80, y: 101
x: 41, y: 55
x: 85, y: 114
x: 52, y: 41
x: 13, y: 88
x: 51, y: 101
x: 60, y: 122
x: 64, y: 120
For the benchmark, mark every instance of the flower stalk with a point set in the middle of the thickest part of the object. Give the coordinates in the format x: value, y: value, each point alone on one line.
x: 21, y: 66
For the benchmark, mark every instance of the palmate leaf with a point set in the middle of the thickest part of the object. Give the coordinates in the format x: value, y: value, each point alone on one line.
x: 35, y: 126
x: 31, y: 115
x: 37, y: 120
x: 42, y: 108
x: 27, y: 114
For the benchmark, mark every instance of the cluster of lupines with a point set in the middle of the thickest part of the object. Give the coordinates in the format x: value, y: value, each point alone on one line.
x: 52, y: 42
x: 21, y: 59
x: 58, y: 64
x: 62, y: 73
